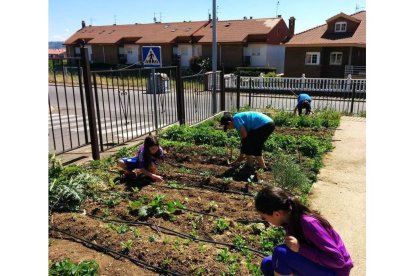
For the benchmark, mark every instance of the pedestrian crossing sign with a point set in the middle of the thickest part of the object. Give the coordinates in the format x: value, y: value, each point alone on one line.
x: 151, y: 56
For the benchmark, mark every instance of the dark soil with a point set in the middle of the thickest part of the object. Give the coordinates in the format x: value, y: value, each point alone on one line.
x: 208, y: 188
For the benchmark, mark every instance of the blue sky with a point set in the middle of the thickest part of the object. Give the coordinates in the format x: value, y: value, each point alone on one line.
x: 65, y: 16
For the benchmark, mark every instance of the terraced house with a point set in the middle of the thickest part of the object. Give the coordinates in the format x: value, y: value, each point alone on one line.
x: 333, y: 50
x: 246, y: 42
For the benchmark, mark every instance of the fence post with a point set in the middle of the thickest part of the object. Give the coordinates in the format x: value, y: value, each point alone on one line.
x: 179, y: 96
x: 250, y: 92
x: 353, y: 97
x: 90, y: 102
x: 222, y: 95
x: 302, y: 85
x: 238, y: 92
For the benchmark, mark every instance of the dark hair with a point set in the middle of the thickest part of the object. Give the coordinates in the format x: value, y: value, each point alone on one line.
x: 225, y: 120
x: 271, y: 199
x: 150, y: 141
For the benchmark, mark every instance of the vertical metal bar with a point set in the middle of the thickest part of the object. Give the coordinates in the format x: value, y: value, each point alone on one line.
x: 179, y: 94
x: 116, y: 112
x: 82, y: 102
x: 250, y: 92
x: 60, y: 118
x: 103, y: 107
x: 51, y: 125
x: 67, y: 106
x: 89, y: 103
x: 140, y: 89
x: 222, y: 95
x: 110, y: 110
x: 97, y: 111
x: 76, y: 113
x: 154, y: 97
x: 353, y: 97
x: 238, y: 93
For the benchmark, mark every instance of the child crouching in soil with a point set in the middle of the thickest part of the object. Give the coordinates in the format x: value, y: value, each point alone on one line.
x: 145, y: 163
x: 312, y: 246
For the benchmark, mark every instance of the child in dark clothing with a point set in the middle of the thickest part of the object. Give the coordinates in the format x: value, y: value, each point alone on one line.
x: 312, y: 246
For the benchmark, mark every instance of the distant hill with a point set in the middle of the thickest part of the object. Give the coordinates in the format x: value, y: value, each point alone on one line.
x: 56, y: 45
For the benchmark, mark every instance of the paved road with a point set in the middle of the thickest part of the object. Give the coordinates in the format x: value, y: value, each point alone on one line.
x: 125, y: 114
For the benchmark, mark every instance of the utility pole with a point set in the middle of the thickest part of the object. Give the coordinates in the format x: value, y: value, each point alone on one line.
x: 214, y: 58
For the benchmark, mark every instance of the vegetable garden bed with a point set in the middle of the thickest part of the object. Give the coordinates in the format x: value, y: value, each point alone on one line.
x: 201, y: 220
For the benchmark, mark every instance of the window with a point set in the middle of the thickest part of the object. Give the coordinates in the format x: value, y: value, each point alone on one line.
x: 312, y: 58
x: 255, y: 51
x: 336, y: 58
x: 340, y: 27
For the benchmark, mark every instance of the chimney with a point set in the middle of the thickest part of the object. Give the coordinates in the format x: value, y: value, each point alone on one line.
x: 209, y: 17
x: 83, y: 24
x: 291, y: 31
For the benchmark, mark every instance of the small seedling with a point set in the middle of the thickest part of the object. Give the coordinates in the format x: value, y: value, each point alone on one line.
x: 126, y: 246
x: 221, y: 225
x: 152, y: 238
x: 213, y: 206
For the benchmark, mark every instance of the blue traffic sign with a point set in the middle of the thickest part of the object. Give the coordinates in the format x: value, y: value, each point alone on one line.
x: 151, y: 56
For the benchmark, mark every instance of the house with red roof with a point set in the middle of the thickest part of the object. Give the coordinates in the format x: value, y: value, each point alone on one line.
x: 329, y: 50
x: 57, y: 53
x: 247, y: 42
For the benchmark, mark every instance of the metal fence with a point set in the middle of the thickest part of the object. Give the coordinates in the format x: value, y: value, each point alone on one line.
x: 198, y: 97
x: 342, y: 95
x: 67, y: 107
x: 134, y: 102
x: 108, y: 108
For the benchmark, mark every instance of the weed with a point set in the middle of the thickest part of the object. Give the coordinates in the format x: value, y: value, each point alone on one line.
x: 152, y: 238
x: 166, y: 262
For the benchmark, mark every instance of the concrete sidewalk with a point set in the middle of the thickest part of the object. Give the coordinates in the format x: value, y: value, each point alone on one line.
x: 339, y: 193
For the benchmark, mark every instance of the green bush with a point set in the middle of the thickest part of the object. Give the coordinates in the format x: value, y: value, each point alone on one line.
x: 288, y: 175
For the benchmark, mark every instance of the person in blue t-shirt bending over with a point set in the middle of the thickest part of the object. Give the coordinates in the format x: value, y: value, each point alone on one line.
x: 254, y: 128
x: 304, y: 101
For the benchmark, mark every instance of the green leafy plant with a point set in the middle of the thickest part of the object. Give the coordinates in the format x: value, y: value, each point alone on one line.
x: 239, y: 242
x: 68, y: 268
x: 68, y: 194
x: 152, y: 238
x: 220, y: 225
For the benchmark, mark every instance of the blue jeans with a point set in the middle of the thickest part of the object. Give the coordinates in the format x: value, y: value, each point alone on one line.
x: 285, y: 262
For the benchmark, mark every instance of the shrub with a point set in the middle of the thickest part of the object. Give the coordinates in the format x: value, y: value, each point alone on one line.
x: 288, y: 175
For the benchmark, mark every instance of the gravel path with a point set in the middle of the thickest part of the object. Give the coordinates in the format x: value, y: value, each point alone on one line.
x: 339, y: 193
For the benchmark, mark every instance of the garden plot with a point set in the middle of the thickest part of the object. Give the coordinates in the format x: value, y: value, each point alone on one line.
x: 201, y: 220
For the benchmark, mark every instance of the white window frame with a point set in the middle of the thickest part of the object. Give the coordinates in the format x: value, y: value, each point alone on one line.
x: 340, y: 27
x: 312, y: 54
x: 336, y: 60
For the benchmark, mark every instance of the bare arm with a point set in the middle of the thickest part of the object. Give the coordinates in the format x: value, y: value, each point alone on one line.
x: 243, y: 132
x: 153, y: 176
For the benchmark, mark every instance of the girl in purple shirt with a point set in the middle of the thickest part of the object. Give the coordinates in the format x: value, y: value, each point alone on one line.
x: 145, y: 162
x: 312, y: 246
